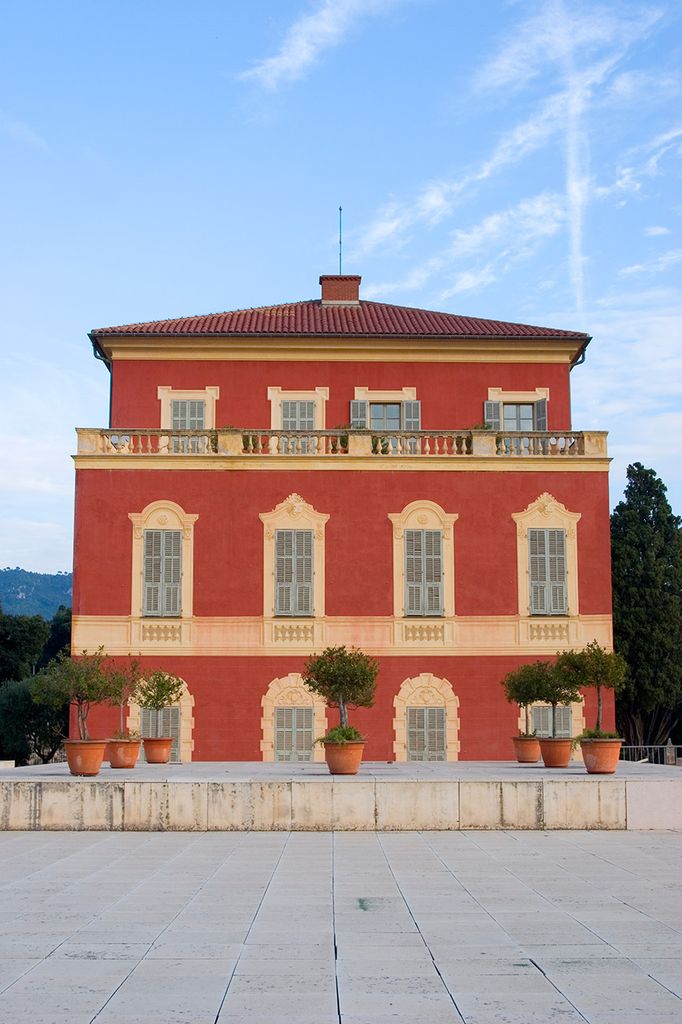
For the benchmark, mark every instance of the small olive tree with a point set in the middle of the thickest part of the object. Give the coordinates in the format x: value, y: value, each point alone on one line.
x: 524, y: 686
x: 124, y: 680
x: 344, y: 679
x: 82, y: 681
x: 557, y: 688
x: 593, y: 667
x: 159, y: 690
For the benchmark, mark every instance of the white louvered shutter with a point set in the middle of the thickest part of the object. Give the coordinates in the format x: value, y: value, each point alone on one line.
x: 556, y: 556
x: 537, y: 550
x: 423, y: 572
x: 412, y: 415
x: 171, y: 556
x: 294, y: 572
x: 151, y: 571
x: 426, y: 734
x: 492, y: 415
x: 293, y: 734
x: 541, y: 414
x: 414, y: 576
x: 542, y: 722
x: 358, y: 415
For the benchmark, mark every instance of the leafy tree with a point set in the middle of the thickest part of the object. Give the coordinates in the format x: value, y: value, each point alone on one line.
x: 595, y: 667
x: 124, y: 680
x: 22, y: 638
x: 82, y: 681
x: 524, y: 686
x: 345, y: 679
x: 60, y: 636
x: 29, y: 729
x: 646, y: 551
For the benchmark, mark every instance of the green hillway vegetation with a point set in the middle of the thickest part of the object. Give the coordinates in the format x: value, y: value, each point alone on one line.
x: 646, y: 550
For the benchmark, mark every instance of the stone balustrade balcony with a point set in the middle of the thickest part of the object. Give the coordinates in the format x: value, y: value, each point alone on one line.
x: 341, y: 444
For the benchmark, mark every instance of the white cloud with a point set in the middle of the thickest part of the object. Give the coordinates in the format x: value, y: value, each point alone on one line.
x: 325, y: 27
x: 655, y: 230
x: 655, y: 266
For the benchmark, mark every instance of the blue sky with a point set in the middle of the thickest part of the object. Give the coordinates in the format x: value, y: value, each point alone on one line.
x: 514, y: 160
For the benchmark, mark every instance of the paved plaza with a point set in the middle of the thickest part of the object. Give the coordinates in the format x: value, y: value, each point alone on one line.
x: 320, y: 928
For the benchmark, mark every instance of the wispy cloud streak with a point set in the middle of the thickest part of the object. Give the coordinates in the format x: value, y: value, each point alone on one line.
x: 325, y: 27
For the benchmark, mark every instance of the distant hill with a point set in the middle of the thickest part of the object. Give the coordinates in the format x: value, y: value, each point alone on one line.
x: 33, y: 593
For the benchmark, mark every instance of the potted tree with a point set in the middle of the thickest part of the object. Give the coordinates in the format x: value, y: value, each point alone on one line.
x: 595, y: 667
x: 344, y: 679
x: 157, y: 691
x: 555, y: 687
x: 82, y: 682
x: 123, y: 749
x: 522, y: 687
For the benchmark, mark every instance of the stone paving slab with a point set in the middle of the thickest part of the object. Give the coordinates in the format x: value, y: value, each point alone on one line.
x: 341, y: 927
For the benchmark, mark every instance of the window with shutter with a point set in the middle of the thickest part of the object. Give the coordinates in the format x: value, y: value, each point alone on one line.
x: 547, y: 572
x: 162, y: 572
x: 294, y: 572
x: 188, y: 414
x: 426, y: 734
x: 542, y: 722
x: 423, y: 572
x: 297, y: 415
x: 165, y: 722
x: 293, y: 734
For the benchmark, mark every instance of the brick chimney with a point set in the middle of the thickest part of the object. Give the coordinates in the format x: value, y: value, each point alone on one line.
x: 340, y: 289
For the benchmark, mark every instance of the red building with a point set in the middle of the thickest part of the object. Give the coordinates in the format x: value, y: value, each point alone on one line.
x: 278, y: 480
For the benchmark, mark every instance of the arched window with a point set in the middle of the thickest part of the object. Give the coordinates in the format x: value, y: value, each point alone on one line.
x: 423, y: 561
x: 176, y: 721
x: 293, y: 717
x: 426, y: 720
x: 163, y: 557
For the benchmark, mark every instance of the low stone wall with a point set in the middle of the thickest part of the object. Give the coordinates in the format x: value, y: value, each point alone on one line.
x: 340, y: 804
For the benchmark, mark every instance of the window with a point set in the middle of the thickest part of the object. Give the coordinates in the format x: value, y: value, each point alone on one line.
x: 425, y: 734
x: 547, y: 559
x: 162, y: 572
x: 423, y: 572
x: 165, y: 722
x: 547, y: 572
x: 188, y: 414
x: 294, y: 572
x: 385, y: 417
x: 188, y: 409
x: 516, y: 416
x: 542, y: 722
x: 297, y: 415
x: 293, y: 734
x: 293, y: 534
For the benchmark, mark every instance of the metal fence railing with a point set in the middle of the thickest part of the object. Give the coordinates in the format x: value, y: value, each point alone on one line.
x: 663, y: 753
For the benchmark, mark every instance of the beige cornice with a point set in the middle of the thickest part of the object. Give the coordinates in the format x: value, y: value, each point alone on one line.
x: 370, y: 463
x: 343, y: 349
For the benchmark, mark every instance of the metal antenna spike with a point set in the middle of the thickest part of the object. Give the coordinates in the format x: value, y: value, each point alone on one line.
x: 340, y: 239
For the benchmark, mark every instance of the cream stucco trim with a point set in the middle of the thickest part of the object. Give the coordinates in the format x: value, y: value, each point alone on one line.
x: 546, y: 513
x: 163, y: 515
x: 294, y: 513
x: 499, y: 395
x: 287, y: 692
x: 319, y: 396
x: 209, y: 395
x: 396, y: 395
x: 256, y: 636
x: 374, y: 349
x: 426, y: 690
x: 186, y: 705
x: 423, y: 515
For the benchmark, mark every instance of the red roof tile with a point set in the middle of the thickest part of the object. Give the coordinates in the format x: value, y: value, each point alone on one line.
x: 362, y: 319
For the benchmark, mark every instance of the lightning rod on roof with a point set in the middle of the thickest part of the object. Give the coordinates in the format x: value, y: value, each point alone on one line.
x: 340, y: 237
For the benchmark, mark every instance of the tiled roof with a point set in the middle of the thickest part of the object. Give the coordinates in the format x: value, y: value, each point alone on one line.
x: 362, y: 319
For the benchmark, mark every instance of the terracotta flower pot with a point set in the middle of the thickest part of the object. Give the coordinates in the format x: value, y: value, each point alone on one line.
x: 556, y: 753
x: 527, y: 749
x: 601, y: 756
x: 123, y: 753
x: 343, y: 758
x: 157, y: 749
x: 84, y: 757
